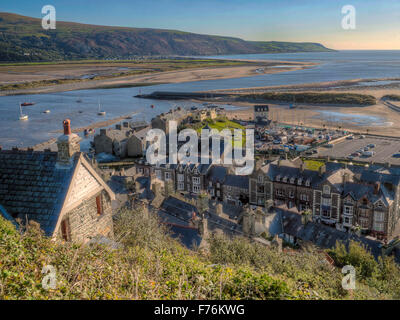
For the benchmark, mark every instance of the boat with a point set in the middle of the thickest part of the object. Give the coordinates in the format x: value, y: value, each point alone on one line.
x: 26, y: 104
x: 22, y: 116
x: 46, y: 111
x: 89, y: 131
x: 152, y: 106
x: 101, y: 112
x: 79, y: 100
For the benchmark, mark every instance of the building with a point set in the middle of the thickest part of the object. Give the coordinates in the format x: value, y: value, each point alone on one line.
x: 61, y: 191
x: 236, y: 190
x: 261, y: 114
x: 347, y: 198
x: 136, y: 145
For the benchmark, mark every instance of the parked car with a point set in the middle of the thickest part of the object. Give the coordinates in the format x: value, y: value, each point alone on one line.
x: 362, y: 137
x: 371, y: 145
x: 350, y: 138
x: 396, y: 155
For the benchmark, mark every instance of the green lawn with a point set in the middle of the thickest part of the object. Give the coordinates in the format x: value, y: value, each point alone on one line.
x: 226, y: 124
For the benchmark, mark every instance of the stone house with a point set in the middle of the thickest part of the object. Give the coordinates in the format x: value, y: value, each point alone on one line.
x: 113, y: 141
x: 236, y: 190
x: 215, y: 180
x: 136, y: 144
x: 61, y: 191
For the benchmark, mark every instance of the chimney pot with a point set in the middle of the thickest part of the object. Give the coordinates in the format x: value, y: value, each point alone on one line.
x: 67, y: 127
x: 377, y: 187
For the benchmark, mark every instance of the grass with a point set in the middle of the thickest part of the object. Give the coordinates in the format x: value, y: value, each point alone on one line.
x: 221, y: 124
x: 151, y: 265
x: 313, y: 165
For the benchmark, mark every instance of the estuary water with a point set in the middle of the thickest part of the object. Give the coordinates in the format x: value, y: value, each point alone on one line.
x: 341, y: 65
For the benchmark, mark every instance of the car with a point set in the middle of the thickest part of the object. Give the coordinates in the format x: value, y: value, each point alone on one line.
x: 368, y: 153
x: 366, y: 149
x: 371, y: 145
x: 315, y: 151
x: 356, y: 154
x: 396, y: 155
x: 349, y: 138
x: 329, y: 145
x: 350, y: 157
x: 362, y: 137
x: 276, y: 142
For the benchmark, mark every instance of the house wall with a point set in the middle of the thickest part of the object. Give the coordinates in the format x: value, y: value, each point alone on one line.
x: 103, y: 143
x: 85, y: 223
x: 134, y: 147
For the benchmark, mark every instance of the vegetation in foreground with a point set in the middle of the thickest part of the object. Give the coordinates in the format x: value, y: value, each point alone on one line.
x: 151, y: 265
x: 313, y: 97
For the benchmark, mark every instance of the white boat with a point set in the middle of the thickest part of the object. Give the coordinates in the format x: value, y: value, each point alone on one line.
x: 46, y: 111
x: 101, y: 112
x: 22, y: 116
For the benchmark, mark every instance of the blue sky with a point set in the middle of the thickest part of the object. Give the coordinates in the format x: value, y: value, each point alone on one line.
x: 377, y: 21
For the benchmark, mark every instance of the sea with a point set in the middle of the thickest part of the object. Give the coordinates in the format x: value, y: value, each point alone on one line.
x: 333, y: 66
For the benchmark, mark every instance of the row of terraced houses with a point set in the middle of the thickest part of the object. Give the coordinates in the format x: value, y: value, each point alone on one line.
x: 344, y: 197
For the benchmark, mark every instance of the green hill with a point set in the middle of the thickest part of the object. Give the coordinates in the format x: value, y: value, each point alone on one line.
x: 23, y: 39
x: 152, y: 265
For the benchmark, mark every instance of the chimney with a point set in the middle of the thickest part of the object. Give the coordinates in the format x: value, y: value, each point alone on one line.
x: 345, y: 177
x: 322, y: 170
x: 377, y: 187
x: 68, y: 145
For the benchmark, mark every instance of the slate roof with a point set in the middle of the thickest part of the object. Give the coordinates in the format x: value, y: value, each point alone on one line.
x: 217, y: 174
x: 323, y: 236
x: 178, y: 208
x: 32, y: 187
x: 237, y: 181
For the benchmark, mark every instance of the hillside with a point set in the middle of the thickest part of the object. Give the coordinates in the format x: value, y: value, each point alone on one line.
x: 23, y: 39
x: 151, y: 265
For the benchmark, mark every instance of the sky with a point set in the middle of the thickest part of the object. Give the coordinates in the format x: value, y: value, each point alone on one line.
x: 377, y: 22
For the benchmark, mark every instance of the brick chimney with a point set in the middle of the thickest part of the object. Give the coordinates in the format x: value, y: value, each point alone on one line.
x: 68, y: 145
x: 377, y: 187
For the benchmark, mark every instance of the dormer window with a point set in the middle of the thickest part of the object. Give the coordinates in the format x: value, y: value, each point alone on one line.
x: 327, y: 190
x: 300, y: 181
x: 278, y: 178
x: 308, y: 183
x: 285, y: 179
x: 292, y: 180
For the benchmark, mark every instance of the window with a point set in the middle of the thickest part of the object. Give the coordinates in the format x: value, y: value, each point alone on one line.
x: 210, y: 183
x: 65, y: 230
x: 326, y: 202
x: 278, y: 178
x: 379, y: 226
x: 218, y: 193
x: 308, y: 183
x: 348, y: 210
x: 327, y: 190
x: 364, y: 223
x: 158, y: 174
x: 284, y: 179
x: 167, y: 175
x: 212, y: 192
x: 300, y: 181
x: 379, y: 216
x: 140, y: 170
x: 196, y: 180
x: 292, y: 180
x: 181, y: 177
x: 260, y: 179
x: 218, y: 185
x: 291, y: 194
x: 99, y: 205
x: 196, y: 188
x: 181, y: 186
x: 304, y: 197
x: 279, y: 192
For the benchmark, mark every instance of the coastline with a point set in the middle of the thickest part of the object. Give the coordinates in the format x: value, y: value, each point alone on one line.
x: 176, y: 76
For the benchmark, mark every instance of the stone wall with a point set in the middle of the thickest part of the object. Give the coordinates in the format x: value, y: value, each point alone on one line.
x: 85, y: 223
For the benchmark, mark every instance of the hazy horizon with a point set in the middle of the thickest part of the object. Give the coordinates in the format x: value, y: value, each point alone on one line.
x: 377, y: 21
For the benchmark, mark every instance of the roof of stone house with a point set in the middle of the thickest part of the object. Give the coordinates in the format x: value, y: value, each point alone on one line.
x: 217, y: 174
x: 119, y: 135
x: 370, y: 176
x: 141, y: 134
x: 179, y: 208
x: 237, y: 181
x: 138, y: 124
x: 182, y: 230
x: 33, y: 187
x: 323, y: 236
x: 289, y: 170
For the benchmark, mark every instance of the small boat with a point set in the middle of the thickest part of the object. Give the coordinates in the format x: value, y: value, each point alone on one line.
x: 79, y: 100
x: 46, y: 111
x: 89, y: 131
x: 22, y: 116
x: 80, y: 111
x: 26, y: 104
x: 152, y: 106
x: 101, y: 112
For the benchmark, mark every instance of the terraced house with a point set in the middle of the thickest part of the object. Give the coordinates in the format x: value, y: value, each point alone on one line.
x: 354, y: 198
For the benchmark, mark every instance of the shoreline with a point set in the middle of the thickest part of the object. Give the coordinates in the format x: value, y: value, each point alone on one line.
x: 165, y: 77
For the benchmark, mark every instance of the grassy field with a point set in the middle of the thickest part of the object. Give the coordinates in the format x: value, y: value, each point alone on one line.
x: 221, y: 124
